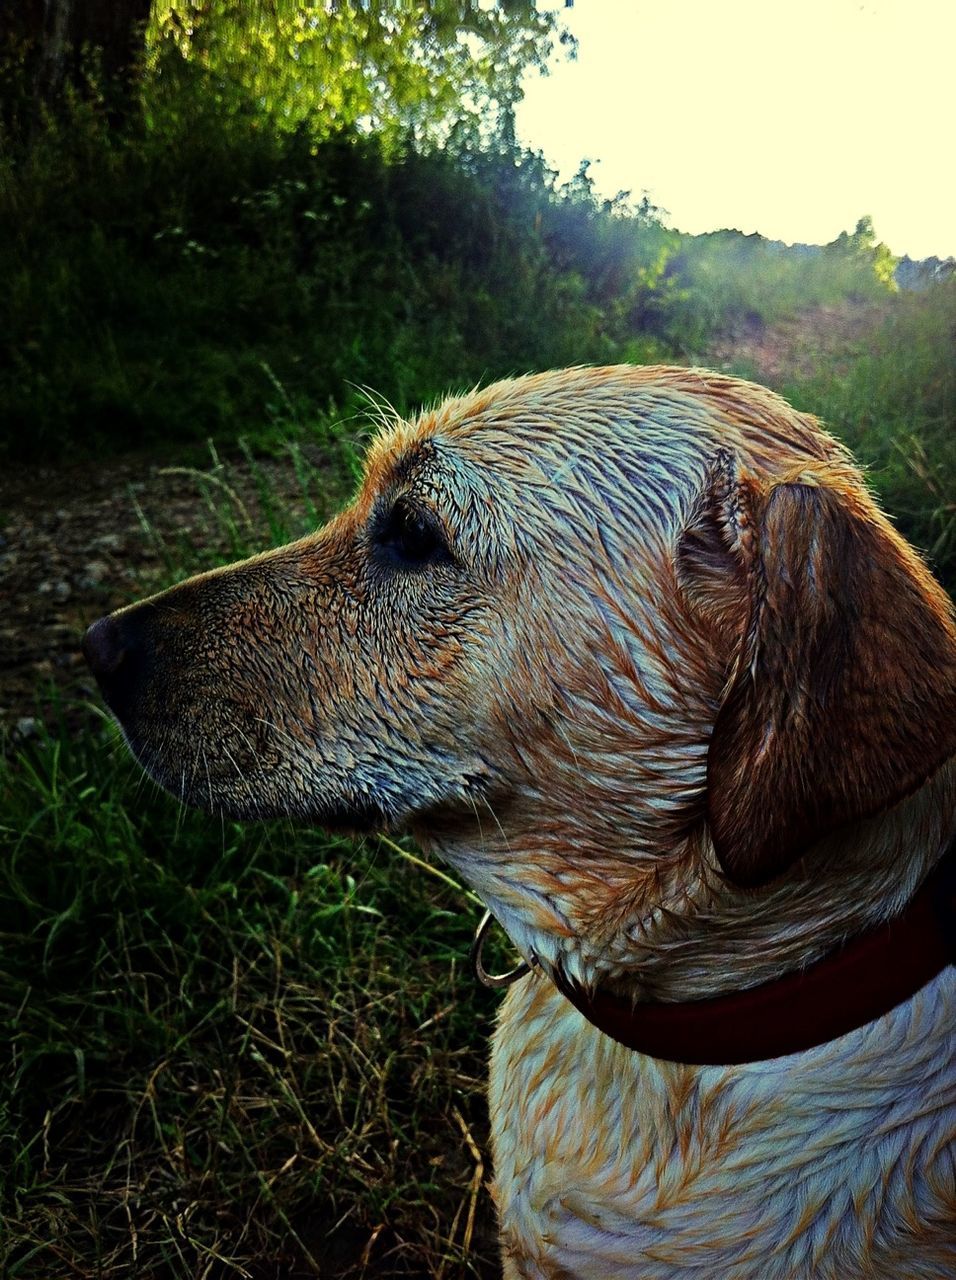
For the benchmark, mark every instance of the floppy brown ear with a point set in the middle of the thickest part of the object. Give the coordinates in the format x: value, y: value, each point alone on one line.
x: 842, y: 694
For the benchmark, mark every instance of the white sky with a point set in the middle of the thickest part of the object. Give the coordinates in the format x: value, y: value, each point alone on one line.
x: 791, y: 119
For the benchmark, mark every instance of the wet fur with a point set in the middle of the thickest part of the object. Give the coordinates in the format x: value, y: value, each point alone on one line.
x: 681, y: 706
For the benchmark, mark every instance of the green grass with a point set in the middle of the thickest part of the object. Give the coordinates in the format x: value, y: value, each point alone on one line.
x: 894, y: 403
x: 231, y: 1050
x: 889, y: 392
x: 227, y: 1044
x: 732, y: 283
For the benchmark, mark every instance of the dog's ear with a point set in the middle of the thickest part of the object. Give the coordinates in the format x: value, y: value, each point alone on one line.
x: 841, y: 696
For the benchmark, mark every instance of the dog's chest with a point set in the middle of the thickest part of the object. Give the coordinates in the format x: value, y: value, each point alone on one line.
x: 838, y: 1162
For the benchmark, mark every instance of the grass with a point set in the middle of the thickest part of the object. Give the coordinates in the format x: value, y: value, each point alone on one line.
x: 731, y: 283
x: 228, y: 1044
x: 894, y: 403
x: 243, y: 1051
x: 888, y: 390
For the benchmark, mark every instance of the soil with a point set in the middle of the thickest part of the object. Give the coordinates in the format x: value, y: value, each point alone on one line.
x: 80, y: 540
x: 797, y: 348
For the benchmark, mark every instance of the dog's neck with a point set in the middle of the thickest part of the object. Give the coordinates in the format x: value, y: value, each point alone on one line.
x: 674, y: 929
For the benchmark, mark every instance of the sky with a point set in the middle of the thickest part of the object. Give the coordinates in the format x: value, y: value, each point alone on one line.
x: 791, y: 119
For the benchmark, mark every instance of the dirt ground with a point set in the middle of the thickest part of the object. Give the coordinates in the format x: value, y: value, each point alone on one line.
x: 796, y: 348
x: 75, y: 542
x: 79, y: 541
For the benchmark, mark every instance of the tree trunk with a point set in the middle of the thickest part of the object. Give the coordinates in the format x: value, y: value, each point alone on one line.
x: 87, y: 45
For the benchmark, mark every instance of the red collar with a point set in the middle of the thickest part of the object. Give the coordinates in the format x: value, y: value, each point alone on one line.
x: 865, y: 978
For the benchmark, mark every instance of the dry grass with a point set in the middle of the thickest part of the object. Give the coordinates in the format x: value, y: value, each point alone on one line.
x: 229, y: 1053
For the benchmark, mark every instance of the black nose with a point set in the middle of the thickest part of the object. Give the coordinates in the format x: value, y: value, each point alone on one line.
x: 103, y: 647
x: 116, y: 649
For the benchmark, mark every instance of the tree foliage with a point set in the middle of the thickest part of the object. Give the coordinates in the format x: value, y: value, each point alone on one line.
x: 325, y: 194
x: 424, y: 70
x: 863, y: 247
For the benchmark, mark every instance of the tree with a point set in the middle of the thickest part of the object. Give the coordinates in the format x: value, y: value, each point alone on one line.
x: 863, y: 246
x: 423, y: 70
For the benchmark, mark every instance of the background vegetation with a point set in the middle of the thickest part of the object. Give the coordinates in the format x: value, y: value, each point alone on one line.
x: 247, y: 1051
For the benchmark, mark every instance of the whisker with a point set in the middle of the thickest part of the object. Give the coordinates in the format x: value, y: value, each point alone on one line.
x: 205, y: 761
x: 282, y: 732
x: 487, y: 803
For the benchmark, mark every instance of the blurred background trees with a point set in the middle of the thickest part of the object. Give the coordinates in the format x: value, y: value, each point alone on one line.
x: 214, y: 213
x: 863, y: 248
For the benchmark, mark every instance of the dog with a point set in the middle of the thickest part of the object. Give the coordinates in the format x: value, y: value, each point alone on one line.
x: 636, y: 652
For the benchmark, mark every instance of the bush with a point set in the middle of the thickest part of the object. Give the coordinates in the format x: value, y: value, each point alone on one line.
x: 729, y: 282
x: 152, y: 273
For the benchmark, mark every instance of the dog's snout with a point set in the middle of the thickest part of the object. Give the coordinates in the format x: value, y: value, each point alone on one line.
x: 104, y: 647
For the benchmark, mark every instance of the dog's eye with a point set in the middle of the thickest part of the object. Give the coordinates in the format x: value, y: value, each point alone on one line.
x: 411, y: 537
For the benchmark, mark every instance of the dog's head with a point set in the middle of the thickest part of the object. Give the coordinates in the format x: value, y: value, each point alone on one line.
x: 574, y: 630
